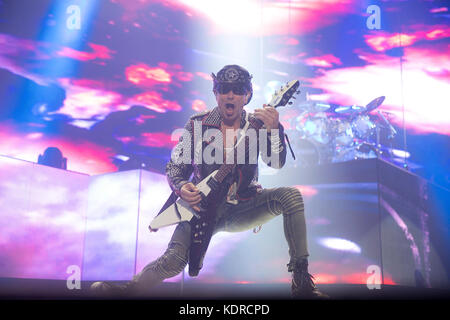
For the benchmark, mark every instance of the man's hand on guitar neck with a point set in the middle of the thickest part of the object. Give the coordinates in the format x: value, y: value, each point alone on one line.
x: 191, y: 195
x: 269, y: 115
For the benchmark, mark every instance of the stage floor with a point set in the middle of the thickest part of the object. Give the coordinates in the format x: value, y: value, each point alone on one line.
x: 11, y: 288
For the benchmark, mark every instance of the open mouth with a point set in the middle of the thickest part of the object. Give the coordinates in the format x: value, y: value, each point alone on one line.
x: 230, y: 108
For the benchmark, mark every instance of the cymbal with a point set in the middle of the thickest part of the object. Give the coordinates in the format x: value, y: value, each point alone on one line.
x: 375, y: 103
x: 350, y: 110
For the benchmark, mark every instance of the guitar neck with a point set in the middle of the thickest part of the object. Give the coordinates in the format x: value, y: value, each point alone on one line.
x: 224, y: 170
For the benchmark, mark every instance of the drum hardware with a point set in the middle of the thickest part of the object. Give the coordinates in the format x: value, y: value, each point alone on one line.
x: 314, y: 127
x: 363, y: 126
x: 392, y: 130
x: 325, y: 134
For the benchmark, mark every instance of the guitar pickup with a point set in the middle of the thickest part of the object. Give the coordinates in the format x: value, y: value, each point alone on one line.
x: 213, y: 184
x: 204, y: 202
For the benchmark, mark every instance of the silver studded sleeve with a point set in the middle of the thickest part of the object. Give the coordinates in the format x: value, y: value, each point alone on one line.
x: 276, y: 149
x: 179, y: 168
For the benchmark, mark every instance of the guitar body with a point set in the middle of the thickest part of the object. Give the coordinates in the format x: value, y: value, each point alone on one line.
x: 202, y: 223
x: 180, y: 210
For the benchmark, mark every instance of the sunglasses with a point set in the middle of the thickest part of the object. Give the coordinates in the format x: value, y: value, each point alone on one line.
x: 224, y: 88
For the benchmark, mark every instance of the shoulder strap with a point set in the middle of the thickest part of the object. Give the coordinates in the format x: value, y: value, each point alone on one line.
x: 244, y: 129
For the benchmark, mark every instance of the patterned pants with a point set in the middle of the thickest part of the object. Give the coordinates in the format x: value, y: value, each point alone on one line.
x: 235, y: 218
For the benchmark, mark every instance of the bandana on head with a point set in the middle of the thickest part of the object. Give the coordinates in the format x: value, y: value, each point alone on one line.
x: 234, y: 74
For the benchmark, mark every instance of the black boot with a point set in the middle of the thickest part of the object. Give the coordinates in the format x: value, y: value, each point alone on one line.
x: 108, y: 289
x: 303, y: 286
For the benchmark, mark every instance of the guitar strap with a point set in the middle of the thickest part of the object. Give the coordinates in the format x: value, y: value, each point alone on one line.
x: 231, y: 194
x: 244, y: 130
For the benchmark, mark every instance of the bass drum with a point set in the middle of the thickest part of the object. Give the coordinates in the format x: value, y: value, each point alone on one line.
x: 363, y: 127
x: 343, y: 133
x: 314, y: 127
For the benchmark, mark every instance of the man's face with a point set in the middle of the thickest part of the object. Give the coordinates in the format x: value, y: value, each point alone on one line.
x: 231, y: 100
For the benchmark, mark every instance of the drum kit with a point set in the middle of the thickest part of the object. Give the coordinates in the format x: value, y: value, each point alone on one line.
x: 326, y: 134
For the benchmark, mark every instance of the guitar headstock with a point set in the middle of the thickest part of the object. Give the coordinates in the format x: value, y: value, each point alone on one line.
x: 282, y: 96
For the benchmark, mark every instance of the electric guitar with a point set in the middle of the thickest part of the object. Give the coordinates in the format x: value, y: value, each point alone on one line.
x: 209, y: 188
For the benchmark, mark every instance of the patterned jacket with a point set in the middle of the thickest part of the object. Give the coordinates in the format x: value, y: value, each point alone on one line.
x: 245, y: 175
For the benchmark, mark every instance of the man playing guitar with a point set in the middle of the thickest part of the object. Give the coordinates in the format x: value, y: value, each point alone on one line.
x: 240, y: 204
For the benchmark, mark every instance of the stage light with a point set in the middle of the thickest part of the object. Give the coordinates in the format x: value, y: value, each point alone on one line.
x: 340, y: 244
x: 53, y: 157
x: 121, y: 157
x: 232, y: 16
x: 400, y: 153
x: 238, y: 40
